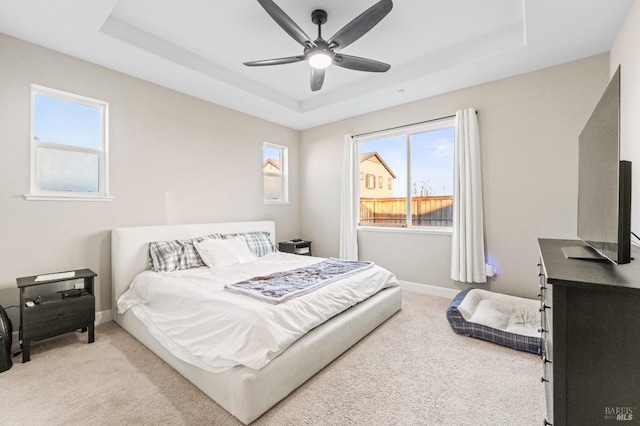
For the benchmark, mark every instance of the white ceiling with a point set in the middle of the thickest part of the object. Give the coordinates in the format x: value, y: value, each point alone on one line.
x: 434, y: 46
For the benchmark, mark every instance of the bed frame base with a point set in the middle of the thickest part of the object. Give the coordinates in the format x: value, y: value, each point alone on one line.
x: 247, y: 393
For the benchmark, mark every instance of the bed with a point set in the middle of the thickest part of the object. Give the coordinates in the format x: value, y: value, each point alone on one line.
x: 244, y: 392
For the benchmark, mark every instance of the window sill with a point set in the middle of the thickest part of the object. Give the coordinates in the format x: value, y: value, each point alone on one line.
x: 276, y: 202
x: 431, y: 230
x: 40, y: 197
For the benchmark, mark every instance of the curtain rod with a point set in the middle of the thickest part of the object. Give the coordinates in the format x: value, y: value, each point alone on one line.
x: 403, y: 126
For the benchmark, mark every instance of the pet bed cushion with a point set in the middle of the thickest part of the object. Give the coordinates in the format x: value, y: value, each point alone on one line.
x: 499, y: 318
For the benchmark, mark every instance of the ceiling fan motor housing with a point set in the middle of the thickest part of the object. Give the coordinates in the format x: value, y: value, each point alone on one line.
x: 319, y: 17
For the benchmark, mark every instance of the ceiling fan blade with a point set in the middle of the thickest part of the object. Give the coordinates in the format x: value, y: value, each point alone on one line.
x: 276, y: 61
x: 286, y: 23
x: 361, y: 25
x: 360, y: 64
x: 317, y: 78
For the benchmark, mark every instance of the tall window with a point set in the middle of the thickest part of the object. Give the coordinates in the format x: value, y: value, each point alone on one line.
x: 69, y: 155
x: 275, y: 174
x: 417, y: 162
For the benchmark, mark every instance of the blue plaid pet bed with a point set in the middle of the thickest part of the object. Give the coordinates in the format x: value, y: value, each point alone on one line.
x: 506, y: 320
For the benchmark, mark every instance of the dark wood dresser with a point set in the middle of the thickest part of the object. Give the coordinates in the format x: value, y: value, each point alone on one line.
x: 590, y: 338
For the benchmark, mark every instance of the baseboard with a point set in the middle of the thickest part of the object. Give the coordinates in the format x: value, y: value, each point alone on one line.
x: 103, y: 316
x: 431, y: 290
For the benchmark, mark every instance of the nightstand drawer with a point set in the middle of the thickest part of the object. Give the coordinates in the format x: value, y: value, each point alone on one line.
x: 57, y: 317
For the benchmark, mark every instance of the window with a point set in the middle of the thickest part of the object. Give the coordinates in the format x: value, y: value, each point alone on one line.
x: 69, y: 156
x: 371, y: 182
x: 417, y: 162
x: 275, y: 175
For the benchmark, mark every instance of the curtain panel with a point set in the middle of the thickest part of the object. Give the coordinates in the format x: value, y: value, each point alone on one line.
x: 350, y: 206
x: 467, y: 248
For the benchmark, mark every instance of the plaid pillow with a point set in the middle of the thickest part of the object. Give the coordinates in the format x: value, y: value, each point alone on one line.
x: 167, y: 256
x: 259, y: 243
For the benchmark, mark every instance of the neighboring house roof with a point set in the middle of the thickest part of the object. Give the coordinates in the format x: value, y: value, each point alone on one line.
x: 274, y: 163
x: 368, y: 155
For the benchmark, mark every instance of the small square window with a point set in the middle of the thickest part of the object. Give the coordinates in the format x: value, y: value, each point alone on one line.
x: 69, y: 155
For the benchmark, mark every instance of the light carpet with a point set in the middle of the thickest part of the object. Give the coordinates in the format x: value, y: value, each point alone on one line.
x: 412, y: 370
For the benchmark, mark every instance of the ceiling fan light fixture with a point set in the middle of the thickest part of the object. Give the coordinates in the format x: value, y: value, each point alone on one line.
x: 320, y: 59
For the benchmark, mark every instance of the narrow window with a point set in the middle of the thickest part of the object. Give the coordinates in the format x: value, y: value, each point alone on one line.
x: 69, y: 147
x: 371, y: 181
x: 274, y: 172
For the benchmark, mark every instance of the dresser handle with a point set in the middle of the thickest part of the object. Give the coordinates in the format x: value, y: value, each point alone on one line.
x: 542, y: 379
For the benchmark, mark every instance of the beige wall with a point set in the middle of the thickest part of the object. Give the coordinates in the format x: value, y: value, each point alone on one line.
x: 624, y: 52
x: 174, y: 159
x: 529, y: 127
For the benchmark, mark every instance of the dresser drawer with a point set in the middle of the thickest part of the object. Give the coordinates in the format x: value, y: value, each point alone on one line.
x: 56, y: 317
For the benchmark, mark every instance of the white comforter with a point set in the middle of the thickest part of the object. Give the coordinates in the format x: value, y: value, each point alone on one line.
x: 191, y: 315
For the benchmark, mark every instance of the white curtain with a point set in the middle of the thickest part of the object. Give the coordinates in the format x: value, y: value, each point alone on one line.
x: 467, y: 254
x: 350, y: 209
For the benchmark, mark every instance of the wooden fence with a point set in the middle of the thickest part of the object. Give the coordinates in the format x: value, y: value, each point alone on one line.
x: 425, y: 211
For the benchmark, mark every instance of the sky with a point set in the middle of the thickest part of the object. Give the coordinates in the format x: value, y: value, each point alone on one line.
x: 270, y: 152
x: 431, y: 160
x: 72, y: 124
x: 69, y: 123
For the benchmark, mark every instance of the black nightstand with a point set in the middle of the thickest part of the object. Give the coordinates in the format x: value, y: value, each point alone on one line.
x: 301, y: 247
x: 53, y: 313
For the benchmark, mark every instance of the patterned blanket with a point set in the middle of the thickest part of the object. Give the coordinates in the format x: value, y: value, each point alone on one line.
x: 282, y: 286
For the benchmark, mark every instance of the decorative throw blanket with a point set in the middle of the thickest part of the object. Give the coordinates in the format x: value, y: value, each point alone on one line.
x: 282, y: 286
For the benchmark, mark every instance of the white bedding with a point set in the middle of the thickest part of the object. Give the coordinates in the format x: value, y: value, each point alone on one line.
x: 191, y: 315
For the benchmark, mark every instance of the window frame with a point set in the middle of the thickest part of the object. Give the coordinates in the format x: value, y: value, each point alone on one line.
x: 370, y: 182
x: 407, y: 131
x: 284, y: 174
x: 103, y: 152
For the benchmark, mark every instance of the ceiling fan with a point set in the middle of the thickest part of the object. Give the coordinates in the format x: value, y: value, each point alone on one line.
x: 321, y: 53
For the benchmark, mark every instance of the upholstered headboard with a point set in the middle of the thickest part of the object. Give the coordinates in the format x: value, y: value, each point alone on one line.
x: 130, y: 247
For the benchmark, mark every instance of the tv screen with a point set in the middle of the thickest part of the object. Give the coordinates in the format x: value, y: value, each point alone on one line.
x: 604, y: 182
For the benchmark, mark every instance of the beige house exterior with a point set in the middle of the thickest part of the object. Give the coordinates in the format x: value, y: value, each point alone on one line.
x: 376, y: 177
x: 272, y: 179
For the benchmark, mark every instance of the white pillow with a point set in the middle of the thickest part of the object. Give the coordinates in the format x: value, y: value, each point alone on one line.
x: 216, y: 253
x: 492, y: 313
